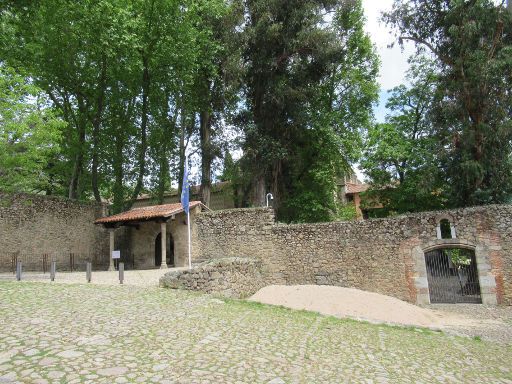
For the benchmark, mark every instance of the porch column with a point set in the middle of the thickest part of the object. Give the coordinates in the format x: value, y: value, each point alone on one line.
x: 163, y: 231
x: 111, y: 260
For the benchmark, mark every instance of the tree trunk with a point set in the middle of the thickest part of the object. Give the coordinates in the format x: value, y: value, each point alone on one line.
x: 96, y: 123
x: 74, y: 184
x: 206, y: 157
x: 117, y: 165
x: 143, y: 130
x: 163, y: 172
x: 259, y: 192
x: 276, y: 186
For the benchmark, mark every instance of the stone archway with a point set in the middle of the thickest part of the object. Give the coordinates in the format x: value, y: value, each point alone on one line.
x: 486, y: 279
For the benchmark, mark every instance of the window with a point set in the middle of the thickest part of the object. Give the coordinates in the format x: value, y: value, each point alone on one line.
x: 445, y: 229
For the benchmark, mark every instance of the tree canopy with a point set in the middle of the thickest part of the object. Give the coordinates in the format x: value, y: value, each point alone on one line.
x: 29, y: 135
x: 139, y: 83
x: 102, y: 99
x: 471, y: 42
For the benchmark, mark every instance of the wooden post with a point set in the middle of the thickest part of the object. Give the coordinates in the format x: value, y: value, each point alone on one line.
x: 71, y: 261
x: 18, y: 270
x: 53, y: 268
x: 14, y: 262
x: 45, y: 262
x: 88, y: 272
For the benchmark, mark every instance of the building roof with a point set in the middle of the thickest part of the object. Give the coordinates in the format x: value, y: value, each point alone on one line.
x: 355, y: 188
x: 194, y: 190
x: 146, y: 213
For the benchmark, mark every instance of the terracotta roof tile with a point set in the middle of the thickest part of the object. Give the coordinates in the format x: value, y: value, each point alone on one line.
x: 355, y: 188
x: 145, y: 213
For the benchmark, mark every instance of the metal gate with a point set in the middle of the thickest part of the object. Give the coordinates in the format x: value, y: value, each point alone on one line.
x: 452, y: 276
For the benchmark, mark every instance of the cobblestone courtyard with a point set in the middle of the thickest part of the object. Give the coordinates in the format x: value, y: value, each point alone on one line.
x: 60, y: 333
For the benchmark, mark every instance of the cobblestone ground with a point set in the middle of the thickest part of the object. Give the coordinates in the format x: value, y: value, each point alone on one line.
x: 142, y: 278
x: 60, y: 333
x: 498, y: 329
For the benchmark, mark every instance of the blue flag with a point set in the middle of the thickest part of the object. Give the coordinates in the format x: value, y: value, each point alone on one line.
x: 185, y: 189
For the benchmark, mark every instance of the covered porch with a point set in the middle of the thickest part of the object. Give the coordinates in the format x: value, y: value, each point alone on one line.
x: 151, y: 237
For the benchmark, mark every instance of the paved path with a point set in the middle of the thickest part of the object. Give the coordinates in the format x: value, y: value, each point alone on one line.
x: 60, y: 333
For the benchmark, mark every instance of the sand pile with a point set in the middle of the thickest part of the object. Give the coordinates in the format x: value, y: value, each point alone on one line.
x: 356, y: 304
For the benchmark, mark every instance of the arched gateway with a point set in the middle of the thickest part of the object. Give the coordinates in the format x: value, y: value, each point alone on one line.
x: 452, y: 276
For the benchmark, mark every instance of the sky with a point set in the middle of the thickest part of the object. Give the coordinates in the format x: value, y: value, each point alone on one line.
x: 393, y: 60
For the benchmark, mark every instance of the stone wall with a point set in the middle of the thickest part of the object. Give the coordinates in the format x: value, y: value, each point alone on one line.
x: 229, y: 277
x: 380, y: 255
x: 236, y: 232
x: 32, y: 226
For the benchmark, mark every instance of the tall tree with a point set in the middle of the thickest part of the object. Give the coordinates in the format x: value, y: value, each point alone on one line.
x: 217, y: 79
x: 472, y: 44
x: 402, y: 156
x: 304, y: 76
x: 70, y: 61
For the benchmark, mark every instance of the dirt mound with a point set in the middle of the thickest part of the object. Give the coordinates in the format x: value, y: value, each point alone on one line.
x: 356, y: 304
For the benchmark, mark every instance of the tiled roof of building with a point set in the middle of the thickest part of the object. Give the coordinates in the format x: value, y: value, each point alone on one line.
x: 145, y: 213
x: 355, y: 188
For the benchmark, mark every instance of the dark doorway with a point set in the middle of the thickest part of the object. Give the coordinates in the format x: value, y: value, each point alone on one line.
x: 452, y: 276
x: 158, y: 250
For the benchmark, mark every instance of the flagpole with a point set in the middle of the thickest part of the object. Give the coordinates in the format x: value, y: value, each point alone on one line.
x: 189, y: 245
x: 185, y: 204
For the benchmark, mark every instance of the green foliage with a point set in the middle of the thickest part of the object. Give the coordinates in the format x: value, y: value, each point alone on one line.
x: 141, y: 82
x: 401, y: 156
x: 29, y: 135
x: 310, y: 88
x: 472, y: 44
x: 347, y: 212
x: 459, y: 256
x: 129, y: 77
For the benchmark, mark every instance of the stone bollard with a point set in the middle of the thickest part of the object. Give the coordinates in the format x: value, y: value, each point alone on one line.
x: 18, y: 270
x: 53, y: 269
x: 121, y: 272
x: 88, y: 271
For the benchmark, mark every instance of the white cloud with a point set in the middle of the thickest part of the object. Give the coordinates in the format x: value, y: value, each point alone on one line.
x: 393, y: 60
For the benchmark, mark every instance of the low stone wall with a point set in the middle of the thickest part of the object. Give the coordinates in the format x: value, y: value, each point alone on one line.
x: 229, y: 277
x: 381, y: 255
